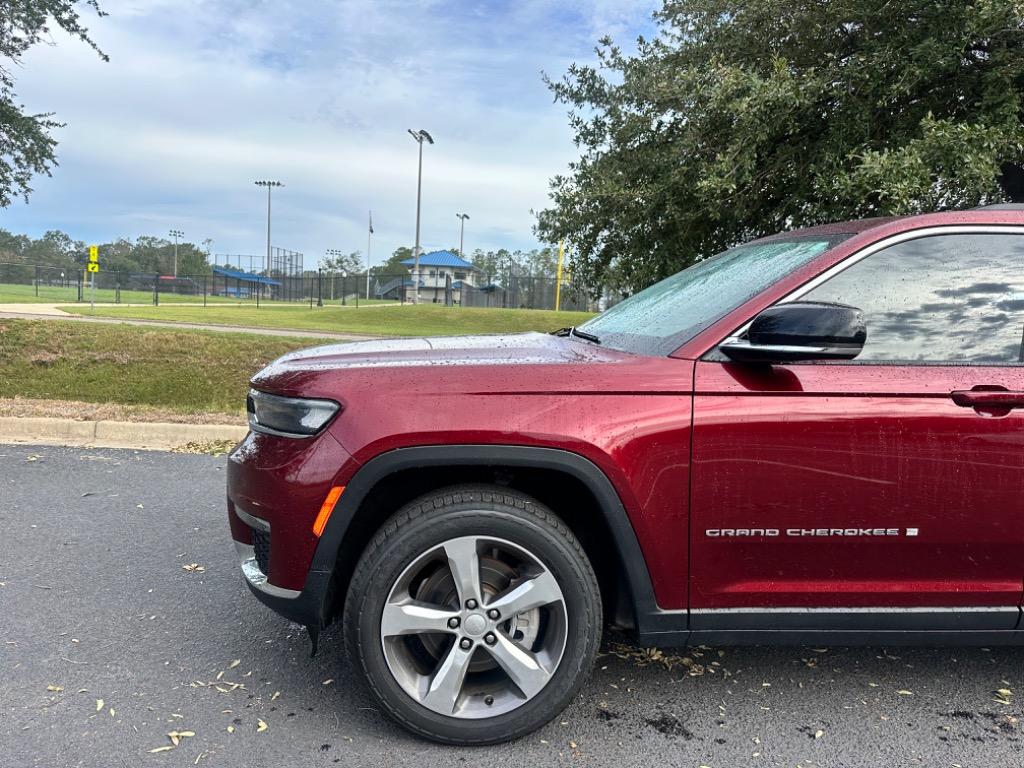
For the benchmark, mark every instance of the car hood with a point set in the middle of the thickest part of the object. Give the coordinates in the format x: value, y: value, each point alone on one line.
x: 512, y: 349
x: 404, y: 372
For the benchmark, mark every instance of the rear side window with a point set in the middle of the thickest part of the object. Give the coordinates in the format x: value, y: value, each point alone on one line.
x: 939, y: 299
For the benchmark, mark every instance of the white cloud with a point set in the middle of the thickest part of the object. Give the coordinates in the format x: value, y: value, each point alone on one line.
x: 202, y: 98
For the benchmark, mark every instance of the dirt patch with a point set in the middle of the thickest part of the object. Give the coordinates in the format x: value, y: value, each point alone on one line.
x: 81, y: 411
x: 43, y: 358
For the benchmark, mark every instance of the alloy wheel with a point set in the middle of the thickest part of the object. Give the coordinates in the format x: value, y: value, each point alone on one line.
x: 474, y: 627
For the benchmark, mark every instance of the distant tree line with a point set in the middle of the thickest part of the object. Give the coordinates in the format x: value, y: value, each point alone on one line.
x: 497, y: 266
x: 146, y: 254
x: 155, y: 255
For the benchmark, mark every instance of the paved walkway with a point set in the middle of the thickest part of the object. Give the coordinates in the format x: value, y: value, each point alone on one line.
x: 51, y: 312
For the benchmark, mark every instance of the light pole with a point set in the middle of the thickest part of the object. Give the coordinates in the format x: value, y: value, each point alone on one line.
x: 269, y: 185
x: 462, y: 233
x: 176, y: 233
x: 420, y: 136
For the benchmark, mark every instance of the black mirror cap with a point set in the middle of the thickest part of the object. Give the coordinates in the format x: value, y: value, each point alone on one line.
x: 802, y: 330
x: 809, y: 323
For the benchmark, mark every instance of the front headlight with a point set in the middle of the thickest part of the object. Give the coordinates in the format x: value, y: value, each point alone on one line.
x: 288, y: 416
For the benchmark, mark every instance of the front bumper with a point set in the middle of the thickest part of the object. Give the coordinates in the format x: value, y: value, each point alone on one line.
x: 275, y: 487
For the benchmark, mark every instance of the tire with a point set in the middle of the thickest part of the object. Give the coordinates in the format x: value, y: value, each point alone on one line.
x: 516, y: 680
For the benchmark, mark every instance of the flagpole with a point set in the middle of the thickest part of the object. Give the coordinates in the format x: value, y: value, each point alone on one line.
x: 368, y: 236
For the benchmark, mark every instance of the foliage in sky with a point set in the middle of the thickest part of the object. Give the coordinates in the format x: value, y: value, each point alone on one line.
x: 741, y: 119
x: 496, y: 265
x: 349, y: 263
x: 27, y: 147
x: 146, y: 255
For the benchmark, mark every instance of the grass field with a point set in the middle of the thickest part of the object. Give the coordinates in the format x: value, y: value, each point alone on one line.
x: 49, y: 294
x: 423, y: 320
x: 183, y: 371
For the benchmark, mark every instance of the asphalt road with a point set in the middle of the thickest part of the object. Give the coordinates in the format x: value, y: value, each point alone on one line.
x: 96, y: 604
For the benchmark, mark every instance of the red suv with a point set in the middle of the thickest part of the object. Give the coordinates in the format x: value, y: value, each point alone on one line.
x: 812, y: 437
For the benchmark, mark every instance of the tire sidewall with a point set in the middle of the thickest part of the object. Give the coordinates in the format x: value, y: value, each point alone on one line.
x: 487, y: 519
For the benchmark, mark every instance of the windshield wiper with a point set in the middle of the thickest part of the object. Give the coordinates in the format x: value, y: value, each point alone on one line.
x: 571, y: 331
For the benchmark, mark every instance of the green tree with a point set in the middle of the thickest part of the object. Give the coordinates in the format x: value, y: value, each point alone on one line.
x: 13, y: 247
x: 741, y: 119
x: 540, y: 262
x: 486, y: 262
x: 394, y: 266
x: 350, y: 263
x: 26, y: 146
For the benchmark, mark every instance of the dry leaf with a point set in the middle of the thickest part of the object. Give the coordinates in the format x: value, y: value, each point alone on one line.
x: 260, y: 726
x: 231, y: 729
x: 162, y: 749
x: 99, y: 705
x: 905, y: 693
x: 193, y: 568
x: 55, y: 688
x: 234, y: 663
x: 328, y: 681
x: 111, y: 711
x: 819, y: 733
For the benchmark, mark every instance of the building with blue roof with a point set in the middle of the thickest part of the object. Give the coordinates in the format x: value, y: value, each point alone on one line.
x: 238, y: 284
x: 436, y: 268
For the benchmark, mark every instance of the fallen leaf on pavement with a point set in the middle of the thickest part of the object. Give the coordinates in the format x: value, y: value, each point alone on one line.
x: 55, y: 688
x: 99, y: 705
x: 261, y: 726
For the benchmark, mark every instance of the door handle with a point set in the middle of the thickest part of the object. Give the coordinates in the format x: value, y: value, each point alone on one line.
x: 988, y: 397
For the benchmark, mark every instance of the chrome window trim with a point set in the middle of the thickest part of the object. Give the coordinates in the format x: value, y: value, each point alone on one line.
x: 871, y: 249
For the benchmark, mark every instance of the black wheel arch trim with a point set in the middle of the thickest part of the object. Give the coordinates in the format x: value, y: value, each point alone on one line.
x: 637, y: 578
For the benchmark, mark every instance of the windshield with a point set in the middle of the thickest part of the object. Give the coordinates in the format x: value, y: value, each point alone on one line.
x: 657, y: 320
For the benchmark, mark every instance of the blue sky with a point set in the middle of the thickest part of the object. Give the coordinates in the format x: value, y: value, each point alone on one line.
x: 202, y: 97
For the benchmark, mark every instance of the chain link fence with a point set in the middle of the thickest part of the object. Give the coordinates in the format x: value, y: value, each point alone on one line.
x: 28, y: 282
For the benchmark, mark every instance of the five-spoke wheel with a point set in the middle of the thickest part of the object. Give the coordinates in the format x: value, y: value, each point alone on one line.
x: 474, y: 614
x: 474, y: 627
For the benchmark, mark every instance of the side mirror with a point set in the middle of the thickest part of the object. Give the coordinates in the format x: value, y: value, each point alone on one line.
x: 801, y: 330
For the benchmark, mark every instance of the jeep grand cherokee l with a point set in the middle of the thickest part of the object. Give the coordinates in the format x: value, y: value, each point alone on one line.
x: 814, y: 437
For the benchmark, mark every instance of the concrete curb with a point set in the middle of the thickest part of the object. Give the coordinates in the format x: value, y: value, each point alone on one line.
x: 112, y: 434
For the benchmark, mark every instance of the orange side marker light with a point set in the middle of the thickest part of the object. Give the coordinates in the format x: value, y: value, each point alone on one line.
x: 326, y: 508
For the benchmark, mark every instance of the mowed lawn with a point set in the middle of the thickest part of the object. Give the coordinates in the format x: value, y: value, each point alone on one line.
x: 423, y: 320
x: 185, y: 371
x: 54, y: 294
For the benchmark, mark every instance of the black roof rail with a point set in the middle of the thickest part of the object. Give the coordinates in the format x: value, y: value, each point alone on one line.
x: 1001, y: 207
